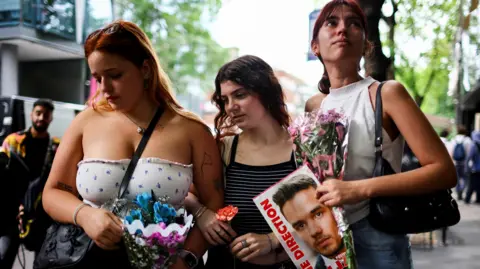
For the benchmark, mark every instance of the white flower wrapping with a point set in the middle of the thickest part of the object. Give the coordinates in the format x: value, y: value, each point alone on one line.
x: 150, y: 229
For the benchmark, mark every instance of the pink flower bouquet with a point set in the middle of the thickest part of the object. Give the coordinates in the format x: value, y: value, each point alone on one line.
x: 320, y: 142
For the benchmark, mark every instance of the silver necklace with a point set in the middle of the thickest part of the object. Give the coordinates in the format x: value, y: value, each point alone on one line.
x: 140, y: 129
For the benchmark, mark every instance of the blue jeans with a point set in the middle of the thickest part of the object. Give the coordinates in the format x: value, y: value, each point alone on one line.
x: 461, y: 184
x: 378, y: 250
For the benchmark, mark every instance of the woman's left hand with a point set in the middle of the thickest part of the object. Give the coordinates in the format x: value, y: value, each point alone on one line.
x: 334, y: 192
x: 253, y: 245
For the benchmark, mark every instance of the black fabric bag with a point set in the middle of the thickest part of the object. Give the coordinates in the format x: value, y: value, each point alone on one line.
x: 34, y: 220
x: 407, y: 214
x: 68, y: 246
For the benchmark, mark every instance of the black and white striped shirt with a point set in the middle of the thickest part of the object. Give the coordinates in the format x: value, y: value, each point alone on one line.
x: 243, y: 183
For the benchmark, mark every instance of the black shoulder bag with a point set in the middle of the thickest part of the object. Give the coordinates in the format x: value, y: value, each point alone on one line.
x: 68, y: 246
x: 407, y: 214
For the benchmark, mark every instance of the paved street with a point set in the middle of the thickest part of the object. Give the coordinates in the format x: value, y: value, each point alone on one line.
x: 463, y: 251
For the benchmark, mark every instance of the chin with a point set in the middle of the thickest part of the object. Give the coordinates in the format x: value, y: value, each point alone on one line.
x: 244, y: 126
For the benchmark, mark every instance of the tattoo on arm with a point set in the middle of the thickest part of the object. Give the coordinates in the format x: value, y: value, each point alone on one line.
x: 207, y: 160
x: 65, y: 187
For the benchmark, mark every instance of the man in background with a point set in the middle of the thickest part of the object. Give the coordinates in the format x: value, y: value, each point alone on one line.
x: 25, y: 161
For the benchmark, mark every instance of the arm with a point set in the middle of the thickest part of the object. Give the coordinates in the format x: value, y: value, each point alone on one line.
x: 437, y: 171
x: 314, y: 102
x: 207, y: 179
x: 191, y: 201
x: 60, y: 196
x: 470, y: 158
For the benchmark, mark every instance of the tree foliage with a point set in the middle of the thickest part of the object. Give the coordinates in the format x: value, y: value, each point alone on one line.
x: 178, y: 32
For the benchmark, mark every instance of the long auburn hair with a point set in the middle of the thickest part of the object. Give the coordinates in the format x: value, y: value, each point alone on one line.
x: 255, y: 75
x: 327, y: 10
x: 127, y: 40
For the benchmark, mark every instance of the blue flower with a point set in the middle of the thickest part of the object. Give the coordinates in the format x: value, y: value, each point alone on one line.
x: 136, y: 214
x: 163, y: 213
x: 129, y: 219
x: 143, y: 200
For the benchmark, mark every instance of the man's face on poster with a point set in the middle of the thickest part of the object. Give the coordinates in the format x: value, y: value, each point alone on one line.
x: 314, y: 222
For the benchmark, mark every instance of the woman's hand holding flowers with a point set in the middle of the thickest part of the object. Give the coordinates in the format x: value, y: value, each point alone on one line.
x: 102, y: 226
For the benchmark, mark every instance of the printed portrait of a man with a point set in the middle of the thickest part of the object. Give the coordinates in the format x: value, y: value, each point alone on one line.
x: 313, y: 222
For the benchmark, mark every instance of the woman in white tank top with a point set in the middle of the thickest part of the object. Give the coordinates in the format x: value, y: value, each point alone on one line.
x: 339, y: 41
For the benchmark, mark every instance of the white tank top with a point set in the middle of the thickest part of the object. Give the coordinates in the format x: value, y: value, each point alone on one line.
x: 355, y: 102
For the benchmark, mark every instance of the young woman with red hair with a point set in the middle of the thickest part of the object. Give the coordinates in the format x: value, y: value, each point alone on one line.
x: 99, y: 143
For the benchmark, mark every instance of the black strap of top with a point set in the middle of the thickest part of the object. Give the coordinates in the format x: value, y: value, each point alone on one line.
x: 378, y: 122
x: 138, y: 152
x: 233, y: 149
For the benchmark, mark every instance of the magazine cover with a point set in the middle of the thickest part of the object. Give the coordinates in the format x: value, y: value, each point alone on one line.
x: 306, y: 229
x: 314, y: 235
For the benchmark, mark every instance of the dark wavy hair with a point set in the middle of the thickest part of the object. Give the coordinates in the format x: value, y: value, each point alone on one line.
x: 256, y: 76
x: 327, y: 10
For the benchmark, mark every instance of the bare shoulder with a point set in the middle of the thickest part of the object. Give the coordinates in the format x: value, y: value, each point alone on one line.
x: 196, y: 129
x: 84, y: 118
x: 314, y: 102
x: 393, y: 90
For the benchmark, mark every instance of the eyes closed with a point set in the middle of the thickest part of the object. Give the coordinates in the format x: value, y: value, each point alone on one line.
x: 113, y: 76
x: 238, y: 94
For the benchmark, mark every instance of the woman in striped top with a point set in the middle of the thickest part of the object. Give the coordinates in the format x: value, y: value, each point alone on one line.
x: 250, y: 100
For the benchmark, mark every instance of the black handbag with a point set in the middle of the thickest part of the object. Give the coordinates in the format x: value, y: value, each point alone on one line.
x: 68, y: 246
x: 407, y: 214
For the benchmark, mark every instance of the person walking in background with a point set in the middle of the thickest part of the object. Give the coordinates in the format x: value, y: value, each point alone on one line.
x: 26, y: 158
x: 473, y: 169
x: 459, y: 148
x: 444, y: 137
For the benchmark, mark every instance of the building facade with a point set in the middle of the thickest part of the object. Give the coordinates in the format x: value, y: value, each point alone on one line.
x: 41, y: 46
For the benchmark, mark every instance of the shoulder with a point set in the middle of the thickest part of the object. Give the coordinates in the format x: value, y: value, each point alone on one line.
x: 393, y: 90
x: 314, y: 102
x: 196, y: 129
x: 84, y: 117
x: 15, y: 138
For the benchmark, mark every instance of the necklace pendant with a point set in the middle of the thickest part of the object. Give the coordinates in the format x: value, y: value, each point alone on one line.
x: 140, y: 130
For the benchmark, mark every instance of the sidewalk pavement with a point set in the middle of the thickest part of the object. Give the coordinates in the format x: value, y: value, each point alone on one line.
x: 463, y: 239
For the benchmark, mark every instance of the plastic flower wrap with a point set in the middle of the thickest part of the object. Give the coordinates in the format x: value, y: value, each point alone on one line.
x: 154, y: 232
x: 227, y: 213
x: 320, y: 142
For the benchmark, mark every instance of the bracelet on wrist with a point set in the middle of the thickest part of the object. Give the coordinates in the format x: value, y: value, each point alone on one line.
x: 270, y: 241
x: 75, y: 213
x: 199, y: 212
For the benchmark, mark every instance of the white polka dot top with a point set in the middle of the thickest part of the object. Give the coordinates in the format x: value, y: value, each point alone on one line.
x: 98, y: 180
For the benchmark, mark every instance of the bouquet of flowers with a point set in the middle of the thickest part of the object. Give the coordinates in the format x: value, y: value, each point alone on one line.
x: 320, y: 142
x: 154, y: 231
